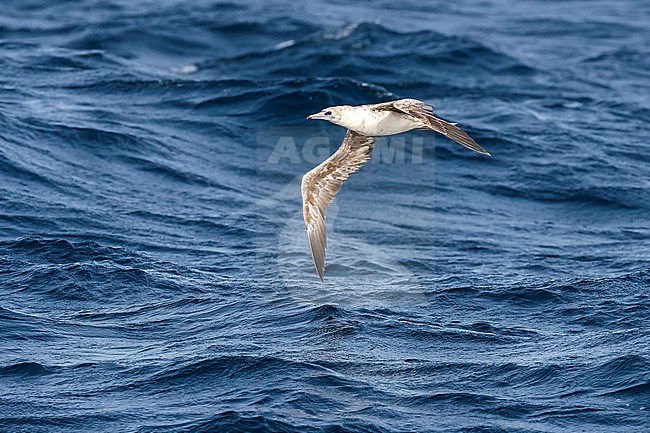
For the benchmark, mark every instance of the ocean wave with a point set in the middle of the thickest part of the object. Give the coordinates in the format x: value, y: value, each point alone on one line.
x: 25, y: 370
x: 367, y: 50
x: 233, y: 421
x: 60, y: 270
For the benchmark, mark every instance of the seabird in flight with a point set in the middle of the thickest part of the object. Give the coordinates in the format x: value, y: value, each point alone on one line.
x: 365, y: 123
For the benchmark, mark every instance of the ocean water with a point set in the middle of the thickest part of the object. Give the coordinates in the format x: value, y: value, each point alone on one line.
x: 154, y: 269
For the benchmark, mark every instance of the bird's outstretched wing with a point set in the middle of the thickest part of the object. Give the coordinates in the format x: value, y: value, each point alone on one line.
x: 424, y: 113
x: 321, y: 184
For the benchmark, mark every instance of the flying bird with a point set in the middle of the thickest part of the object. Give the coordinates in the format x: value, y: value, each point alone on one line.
x: 364, y: 123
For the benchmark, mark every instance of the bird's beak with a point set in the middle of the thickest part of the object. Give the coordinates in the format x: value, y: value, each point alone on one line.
x: 318, y: 116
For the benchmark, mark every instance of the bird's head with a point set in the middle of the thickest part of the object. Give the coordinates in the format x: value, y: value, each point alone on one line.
x: 331, y: 114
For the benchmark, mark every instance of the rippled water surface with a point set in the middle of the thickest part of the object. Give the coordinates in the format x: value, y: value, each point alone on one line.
x: 154, y: 270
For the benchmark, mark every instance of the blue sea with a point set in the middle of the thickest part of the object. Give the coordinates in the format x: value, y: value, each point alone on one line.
x: 154, y: 268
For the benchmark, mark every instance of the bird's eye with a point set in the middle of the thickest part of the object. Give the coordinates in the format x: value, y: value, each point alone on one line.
x: 328, y: 113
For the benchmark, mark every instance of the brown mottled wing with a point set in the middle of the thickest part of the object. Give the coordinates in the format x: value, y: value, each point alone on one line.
x: 321, y: 184
x: 424, y: 113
